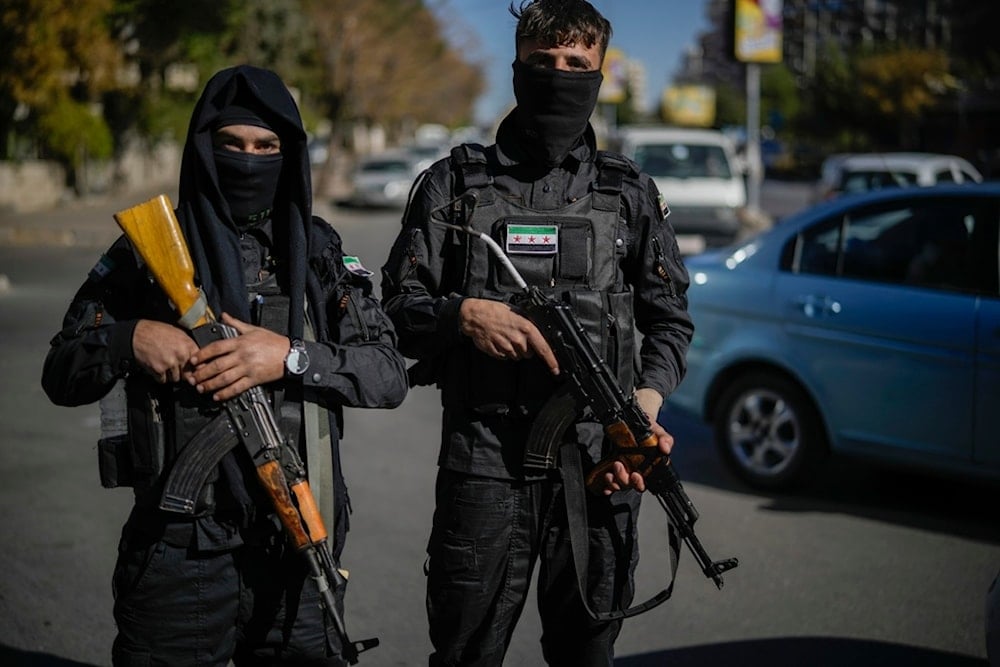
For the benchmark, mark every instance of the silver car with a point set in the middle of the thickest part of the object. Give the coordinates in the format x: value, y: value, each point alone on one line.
x: 851, y: 173
x: 384, y: 180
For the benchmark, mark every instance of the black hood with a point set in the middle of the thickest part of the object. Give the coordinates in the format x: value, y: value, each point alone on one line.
x: 205, y: 219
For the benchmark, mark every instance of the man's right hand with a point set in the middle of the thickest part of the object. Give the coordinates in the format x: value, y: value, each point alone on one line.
x: 162, y: 350
x: 500, y: 332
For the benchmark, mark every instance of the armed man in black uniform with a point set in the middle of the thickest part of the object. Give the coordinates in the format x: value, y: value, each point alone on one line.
x: 223, y: 584
x: 590, y: 229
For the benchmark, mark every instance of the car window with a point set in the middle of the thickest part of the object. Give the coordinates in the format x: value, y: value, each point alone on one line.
x: 382, y: 166
x: 865, y: 180
x: 683, y: 160
x: 947, y: 243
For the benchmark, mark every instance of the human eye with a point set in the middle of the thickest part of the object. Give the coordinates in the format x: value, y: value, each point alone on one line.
x: 269, y: 147
x: 540, y: 61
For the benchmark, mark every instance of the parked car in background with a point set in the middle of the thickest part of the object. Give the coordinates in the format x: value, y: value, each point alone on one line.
x: 426, y: 154
x: 861, y: 172
x: 384, y: 179
x: 698, y: 174
x: 868, y: 325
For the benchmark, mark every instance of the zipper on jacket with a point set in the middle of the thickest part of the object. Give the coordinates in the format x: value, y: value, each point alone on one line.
x: 660, y: 265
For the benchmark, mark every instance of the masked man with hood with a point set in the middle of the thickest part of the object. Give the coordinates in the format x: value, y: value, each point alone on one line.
x: 223, y: 584
x: 589, y: 229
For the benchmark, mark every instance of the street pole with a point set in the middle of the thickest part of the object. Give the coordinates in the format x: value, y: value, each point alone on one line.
x: 754, y: 170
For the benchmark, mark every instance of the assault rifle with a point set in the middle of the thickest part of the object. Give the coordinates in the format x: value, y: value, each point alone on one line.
x: 155, y: 234
x: 592, y: 386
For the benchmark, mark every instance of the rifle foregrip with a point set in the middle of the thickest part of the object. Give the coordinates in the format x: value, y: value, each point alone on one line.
x: 272, y: 478
x: 309, y: 511
x: 642, y: 461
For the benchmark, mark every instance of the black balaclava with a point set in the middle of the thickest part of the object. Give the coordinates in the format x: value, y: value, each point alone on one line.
x: 553, y: 108
x: 207, y: 216
x: 248, y: 181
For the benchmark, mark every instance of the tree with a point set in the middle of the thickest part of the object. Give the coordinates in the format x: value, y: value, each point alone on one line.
x: 56, y: 61
x: 898, y: 86
x: 367, y: 80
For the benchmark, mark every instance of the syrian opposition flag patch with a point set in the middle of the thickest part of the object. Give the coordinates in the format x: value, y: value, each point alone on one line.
x: 353, y: 264
x: 532, y: 239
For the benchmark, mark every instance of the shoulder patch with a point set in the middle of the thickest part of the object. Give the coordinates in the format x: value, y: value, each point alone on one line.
x: 353, y: 264
x: 664, y: 209
x: 656, y: 198
x: 105, y: 265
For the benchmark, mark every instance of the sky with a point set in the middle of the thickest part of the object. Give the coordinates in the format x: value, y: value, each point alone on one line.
x: 653, y: 32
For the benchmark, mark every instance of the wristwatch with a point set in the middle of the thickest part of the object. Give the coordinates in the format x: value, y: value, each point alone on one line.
x: 297, y: 359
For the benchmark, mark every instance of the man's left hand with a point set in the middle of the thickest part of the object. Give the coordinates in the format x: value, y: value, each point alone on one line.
x: 230, y: 366
x: 619, y: 477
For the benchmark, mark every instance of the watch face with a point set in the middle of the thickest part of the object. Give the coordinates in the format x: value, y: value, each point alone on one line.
x: 297, y: 361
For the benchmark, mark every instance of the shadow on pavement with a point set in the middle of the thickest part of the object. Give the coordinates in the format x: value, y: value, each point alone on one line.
x: 801, y: 652
x: 13, y: 657
x: 948, y: 504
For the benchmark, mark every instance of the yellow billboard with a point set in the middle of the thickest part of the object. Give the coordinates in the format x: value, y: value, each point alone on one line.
x: 689, y: 105
x: 757, y: 31
x: 615, y: 71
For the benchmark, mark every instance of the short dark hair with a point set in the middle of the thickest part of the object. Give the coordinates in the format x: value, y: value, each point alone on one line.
x: 560, y: 22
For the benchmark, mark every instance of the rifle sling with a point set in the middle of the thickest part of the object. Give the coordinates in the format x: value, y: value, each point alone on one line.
x: 571, y: 468
x: 195, y: 462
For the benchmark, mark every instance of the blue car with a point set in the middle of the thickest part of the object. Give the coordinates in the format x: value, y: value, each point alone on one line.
x: 867, y: 325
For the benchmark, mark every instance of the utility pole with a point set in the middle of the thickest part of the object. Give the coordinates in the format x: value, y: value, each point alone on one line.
x: 757, y: 38
x: 755, y: 167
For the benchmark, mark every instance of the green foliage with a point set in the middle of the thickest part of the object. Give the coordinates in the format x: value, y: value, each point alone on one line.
x: 72, y: 132
x: 145, y: 61
x: 730, y: 106
x: 779, y: 94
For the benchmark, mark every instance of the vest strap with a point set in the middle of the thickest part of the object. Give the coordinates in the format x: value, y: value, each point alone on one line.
x: 472, y: 172
x: 610, y: 179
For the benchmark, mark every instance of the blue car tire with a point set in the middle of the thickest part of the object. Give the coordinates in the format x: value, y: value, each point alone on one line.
x: 768, y: 432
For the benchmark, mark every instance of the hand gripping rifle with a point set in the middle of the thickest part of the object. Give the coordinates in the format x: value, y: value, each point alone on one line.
x: 592, y: 385
x: 155, y: 234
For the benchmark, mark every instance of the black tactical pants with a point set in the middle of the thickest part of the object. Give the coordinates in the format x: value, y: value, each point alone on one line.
x: 177, y: 606
x: 486, y: 538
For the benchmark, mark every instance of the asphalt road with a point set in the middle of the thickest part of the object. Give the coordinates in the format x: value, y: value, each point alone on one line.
x: 869, y: 567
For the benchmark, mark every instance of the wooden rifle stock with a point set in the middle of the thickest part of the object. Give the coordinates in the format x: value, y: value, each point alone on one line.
x: 156, y: 235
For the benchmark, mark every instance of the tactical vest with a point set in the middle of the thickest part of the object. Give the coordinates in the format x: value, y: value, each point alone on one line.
x: 573, y: 253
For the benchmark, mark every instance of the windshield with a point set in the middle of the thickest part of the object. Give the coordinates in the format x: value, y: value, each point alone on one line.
x: 683, y: 161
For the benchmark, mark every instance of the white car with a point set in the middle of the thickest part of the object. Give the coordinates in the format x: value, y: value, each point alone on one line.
x: 861, y: 172
x: 699, y: 175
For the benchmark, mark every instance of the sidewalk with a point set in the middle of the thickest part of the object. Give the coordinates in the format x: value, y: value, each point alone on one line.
x: 87, y: 222
x: 90, y: 222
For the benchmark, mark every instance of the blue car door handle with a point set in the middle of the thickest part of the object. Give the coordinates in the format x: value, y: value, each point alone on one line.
x: 817, y: 306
